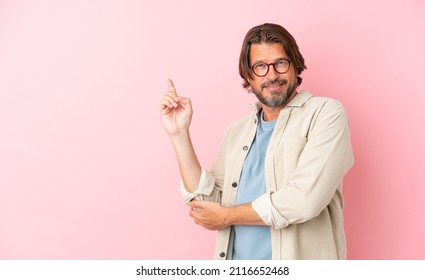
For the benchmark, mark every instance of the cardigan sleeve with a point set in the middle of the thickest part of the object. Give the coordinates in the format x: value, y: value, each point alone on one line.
x: 205, y: 191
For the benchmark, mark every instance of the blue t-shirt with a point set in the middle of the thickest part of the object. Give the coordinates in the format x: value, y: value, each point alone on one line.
x: 254, y: 242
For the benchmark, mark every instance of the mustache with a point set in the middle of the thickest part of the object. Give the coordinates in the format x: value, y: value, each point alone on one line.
x: 274, y: 82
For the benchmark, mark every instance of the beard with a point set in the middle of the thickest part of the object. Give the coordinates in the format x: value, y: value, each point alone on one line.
x: 278, y: 97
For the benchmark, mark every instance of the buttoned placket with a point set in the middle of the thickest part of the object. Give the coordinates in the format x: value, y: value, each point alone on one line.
x: 271, y: 184
x: 230, y: 196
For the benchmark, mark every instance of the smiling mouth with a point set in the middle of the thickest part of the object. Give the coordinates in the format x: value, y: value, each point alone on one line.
x: 275, y: 84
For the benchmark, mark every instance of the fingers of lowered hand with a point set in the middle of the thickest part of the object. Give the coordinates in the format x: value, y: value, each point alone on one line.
x: 193, y: 208
x: 206, y: 214
x: 203, y: 207
x: 198, y: 204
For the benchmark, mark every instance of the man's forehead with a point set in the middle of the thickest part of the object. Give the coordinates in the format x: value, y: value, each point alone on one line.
x: 266, y: 51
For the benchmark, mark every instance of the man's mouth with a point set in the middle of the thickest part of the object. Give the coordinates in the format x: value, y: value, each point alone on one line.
x: 275, y: 84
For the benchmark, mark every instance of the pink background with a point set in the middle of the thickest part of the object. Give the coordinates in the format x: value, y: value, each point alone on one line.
x: 86, y: 170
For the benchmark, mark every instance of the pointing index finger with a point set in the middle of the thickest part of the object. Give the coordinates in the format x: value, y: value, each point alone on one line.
x: 172, y: 88
x: 171, y: 85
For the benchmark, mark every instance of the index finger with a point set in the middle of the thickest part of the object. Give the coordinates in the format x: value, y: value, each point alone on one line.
x: 171, y: 85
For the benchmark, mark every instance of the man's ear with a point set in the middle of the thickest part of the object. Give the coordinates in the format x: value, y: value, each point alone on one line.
x: 249, y: 88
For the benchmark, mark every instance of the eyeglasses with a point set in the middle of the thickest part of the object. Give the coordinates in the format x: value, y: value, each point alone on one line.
x: 281, y: 66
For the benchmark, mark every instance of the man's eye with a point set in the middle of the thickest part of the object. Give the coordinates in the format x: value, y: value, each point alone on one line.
x: 260, y: 66
x: 281, y: 63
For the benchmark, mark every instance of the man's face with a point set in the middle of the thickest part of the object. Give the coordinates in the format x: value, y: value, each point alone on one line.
x: 274, y: 89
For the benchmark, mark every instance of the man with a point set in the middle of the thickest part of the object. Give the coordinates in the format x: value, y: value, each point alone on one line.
x: 275, y: 188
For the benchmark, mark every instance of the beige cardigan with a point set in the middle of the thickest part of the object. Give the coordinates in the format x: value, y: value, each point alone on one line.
x: 308, y: 154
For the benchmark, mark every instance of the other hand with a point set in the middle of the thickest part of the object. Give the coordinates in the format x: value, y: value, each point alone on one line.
x: 208, y: 214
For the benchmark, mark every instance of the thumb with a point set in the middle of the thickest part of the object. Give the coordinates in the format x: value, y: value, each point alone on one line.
x: 196, y: 204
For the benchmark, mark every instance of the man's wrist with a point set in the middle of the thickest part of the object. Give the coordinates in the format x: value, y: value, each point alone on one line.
x: 233, y: 215
x: 180, y: 137
x: 228, y: 216
x: 242, y: 214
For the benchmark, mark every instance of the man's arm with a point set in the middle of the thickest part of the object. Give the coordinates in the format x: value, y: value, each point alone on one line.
x: 176, y: 115
x: 190, y: 169
x: 213, y: 216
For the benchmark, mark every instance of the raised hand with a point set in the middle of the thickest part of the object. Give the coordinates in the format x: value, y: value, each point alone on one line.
x: 176, y: 111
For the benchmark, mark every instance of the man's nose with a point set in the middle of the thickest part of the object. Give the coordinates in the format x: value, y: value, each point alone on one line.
x: 272, y: 74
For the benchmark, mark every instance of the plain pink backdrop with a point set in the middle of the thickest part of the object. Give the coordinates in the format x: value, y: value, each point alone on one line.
x: 86, y: 170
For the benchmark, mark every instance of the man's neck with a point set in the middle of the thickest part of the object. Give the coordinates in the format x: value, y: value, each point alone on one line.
x: 271, y: 113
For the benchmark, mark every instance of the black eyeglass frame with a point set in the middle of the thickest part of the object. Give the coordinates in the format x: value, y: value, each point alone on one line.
x: 274, y: 67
